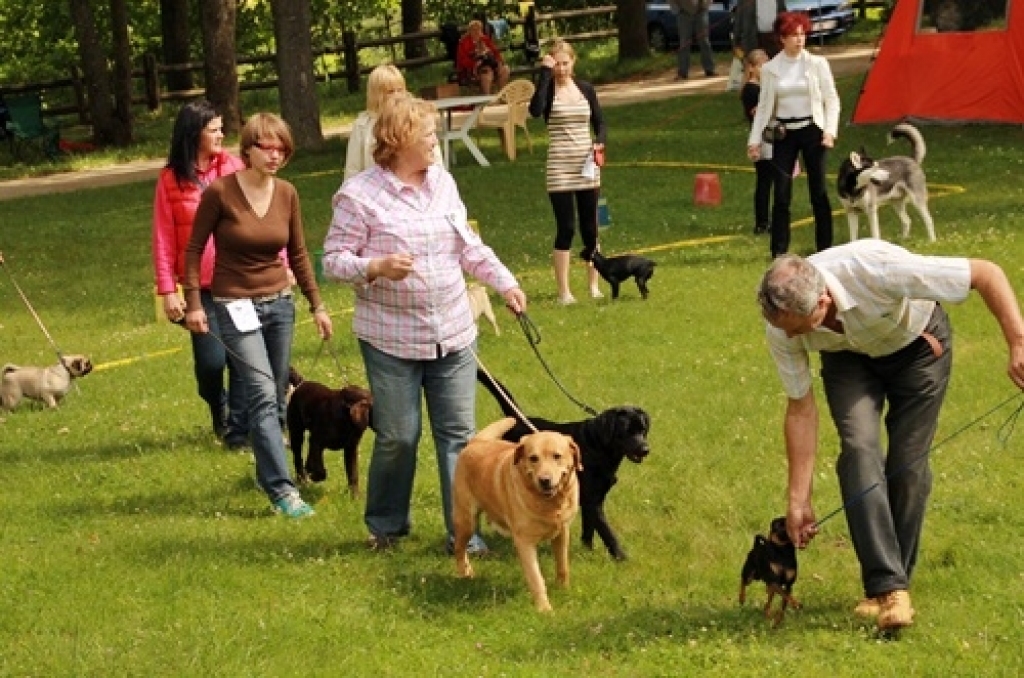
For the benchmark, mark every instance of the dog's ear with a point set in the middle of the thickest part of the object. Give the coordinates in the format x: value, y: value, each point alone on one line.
x: 855, y: 160
x: 360, y: 413
x: 519, y: 454
x: 577, y: 456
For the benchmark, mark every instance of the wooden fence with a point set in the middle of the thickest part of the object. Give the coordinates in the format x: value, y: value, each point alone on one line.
x: 151, y: 93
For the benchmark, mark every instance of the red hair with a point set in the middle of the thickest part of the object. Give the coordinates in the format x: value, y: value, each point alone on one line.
x: 787, y: 23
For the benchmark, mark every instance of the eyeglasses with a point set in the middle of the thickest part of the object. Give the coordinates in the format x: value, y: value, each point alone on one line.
x: 268, y: 148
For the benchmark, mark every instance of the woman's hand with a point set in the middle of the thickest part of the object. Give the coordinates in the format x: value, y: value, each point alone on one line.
x: 324, y: 326
x: 174, y: 307
x: 195, y: 321
x: 827, y: 140
x: 515, y: 300
x: 393, y: 267
x: 547, y: 61
x: 754, y: 152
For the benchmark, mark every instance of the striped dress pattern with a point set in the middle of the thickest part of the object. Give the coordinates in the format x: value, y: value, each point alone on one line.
x: 569, y: 146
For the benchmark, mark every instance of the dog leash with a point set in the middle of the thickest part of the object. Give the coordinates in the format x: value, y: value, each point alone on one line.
x: 39, y: 321
x: 532, y: 335
x: 1003, y: 435
x: 504, y: 396
x: 334, y: 355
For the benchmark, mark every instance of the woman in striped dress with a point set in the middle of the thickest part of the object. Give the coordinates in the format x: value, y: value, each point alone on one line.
x: 571, y: 110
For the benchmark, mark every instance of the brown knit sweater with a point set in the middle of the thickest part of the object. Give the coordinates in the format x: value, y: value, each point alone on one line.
x: 248, y: 247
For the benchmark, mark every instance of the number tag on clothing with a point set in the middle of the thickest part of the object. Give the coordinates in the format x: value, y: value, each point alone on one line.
x: 589, y: 167
x: 243, y: 314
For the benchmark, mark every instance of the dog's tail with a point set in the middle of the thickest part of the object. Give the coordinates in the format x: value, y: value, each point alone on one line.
x: 500, y: 394
x: 909, y: 132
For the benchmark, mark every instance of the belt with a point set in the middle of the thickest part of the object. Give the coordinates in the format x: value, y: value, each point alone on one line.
x: 796, y: 123
x: 286, y: 293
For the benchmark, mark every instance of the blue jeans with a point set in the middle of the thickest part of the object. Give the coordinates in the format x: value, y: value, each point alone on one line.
x: 449, y: 386
x: 262, y: 357
x: 694, y: 26
x: 209, y: 360
x: 907, y: 389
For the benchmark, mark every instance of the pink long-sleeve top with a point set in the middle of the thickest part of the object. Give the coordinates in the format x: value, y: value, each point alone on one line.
x: 427, y: 314
x: 174, y: 208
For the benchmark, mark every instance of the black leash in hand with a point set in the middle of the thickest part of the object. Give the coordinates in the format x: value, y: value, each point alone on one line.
x: 532, y: 335
x: 1004, y: 433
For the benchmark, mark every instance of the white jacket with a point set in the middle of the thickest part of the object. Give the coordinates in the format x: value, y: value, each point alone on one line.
x: 824, y: 97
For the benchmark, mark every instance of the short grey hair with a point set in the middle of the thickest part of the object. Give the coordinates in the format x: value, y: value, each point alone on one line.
x: 791, y: 284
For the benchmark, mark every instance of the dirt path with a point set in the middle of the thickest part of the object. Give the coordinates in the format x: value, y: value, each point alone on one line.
x: 844, y: 60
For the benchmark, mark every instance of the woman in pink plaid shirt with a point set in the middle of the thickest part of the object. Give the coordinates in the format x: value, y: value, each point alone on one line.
x: 399, y: 235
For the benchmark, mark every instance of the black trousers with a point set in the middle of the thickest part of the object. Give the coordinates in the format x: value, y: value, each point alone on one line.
x: 805, y: 143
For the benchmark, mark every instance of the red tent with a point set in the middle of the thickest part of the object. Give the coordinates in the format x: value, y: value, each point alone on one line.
x: 925, y: 72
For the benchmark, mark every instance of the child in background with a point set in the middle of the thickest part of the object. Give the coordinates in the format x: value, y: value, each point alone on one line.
x: 763, y: 166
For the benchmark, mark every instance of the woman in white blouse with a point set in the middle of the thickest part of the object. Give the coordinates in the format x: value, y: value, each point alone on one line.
x: 798, y: 90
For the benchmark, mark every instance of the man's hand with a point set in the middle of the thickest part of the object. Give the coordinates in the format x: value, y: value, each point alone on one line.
x: 801, y: 524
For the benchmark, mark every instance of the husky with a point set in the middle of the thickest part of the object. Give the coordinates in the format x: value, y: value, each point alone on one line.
x: 866, y: 184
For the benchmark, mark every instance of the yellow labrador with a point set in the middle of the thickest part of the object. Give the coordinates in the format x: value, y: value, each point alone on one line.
x: 527, y: 490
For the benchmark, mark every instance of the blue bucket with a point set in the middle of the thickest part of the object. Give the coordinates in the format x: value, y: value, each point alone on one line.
x: 604, y: 218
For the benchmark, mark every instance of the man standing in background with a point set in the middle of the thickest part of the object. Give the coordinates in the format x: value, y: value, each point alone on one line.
x: 754, y: 26
x: 692, y: 21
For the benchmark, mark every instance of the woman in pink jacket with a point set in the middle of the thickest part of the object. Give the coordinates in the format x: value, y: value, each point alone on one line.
x: 196, y: 158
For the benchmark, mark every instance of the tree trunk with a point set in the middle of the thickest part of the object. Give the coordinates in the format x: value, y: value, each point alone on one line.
x: 412, y: 22
x: 174, y: 34
x: 122, y: 73
x: 95, y: 73
x: 632, y: 30
x: 221, y: 66
x: 296, y: 83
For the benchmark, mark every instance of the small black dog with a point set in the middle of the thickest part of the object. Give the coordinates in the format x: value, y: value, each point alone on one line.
x: 336, y: 420
x: 604, y: 440
x: 616, y: 270
x: 773, y: 561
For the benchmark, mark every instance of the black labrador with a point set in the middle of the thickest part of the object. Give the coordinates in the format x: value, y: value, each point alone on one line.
x: 604, y: 440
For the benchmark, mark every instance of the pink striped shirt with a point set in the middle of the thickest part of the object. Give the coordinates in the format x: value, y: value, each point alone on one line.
x: 427, y: 314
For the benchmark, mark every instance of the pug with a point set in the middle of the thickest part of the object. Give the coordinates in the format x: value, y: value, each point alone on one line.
x: 46, y: 384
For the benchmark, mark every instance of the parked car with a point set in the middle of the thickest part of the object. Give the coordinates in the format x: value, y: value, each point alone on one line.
x: 828, y: 18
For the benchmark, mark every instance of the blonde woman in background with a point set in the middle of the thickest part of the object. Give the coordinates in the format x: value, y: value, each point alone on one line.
x: 570, y: 109
x: 384, y: 81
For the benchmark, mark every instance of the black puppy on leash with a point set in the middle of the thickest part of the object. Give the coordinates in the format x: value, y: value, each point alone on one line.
x: 618, y: 269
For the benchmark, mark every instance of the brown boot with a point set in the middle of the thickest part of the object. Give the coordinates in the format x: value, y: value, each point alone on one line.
x: 896, y: 611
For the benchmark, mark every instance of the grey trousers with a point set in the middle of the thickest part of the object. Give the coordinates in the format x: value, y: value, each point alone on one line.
x: 908, y: 386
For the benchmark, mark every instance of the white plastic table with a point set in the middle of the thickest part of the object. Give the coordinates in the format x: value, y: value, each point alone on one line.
x: 449, y: 133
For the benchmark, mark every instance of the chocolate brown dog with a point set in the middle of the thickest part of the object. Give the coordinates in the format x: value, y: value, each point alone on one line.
x: 605, y: 440
x: 617, y: 270
x: 46, y: 384
x: 773, y: 561
x: 336, y: 420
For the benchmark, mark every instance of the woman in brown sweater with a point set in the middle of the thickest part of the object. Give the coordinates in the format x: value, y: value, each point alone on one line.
x: 251, y: 215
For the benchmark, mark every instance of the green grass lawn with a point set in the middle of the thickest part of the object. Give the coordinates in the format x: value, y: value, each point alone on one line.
x: 131, y: 544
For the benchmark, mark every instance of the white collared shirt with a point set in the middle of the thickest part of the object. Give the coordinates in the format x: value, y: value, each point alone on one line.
x: 884, y: 297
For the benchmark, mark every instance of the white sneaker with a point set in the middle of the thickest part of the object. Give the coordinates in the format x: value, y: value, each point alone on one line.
x: 567, y: 300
